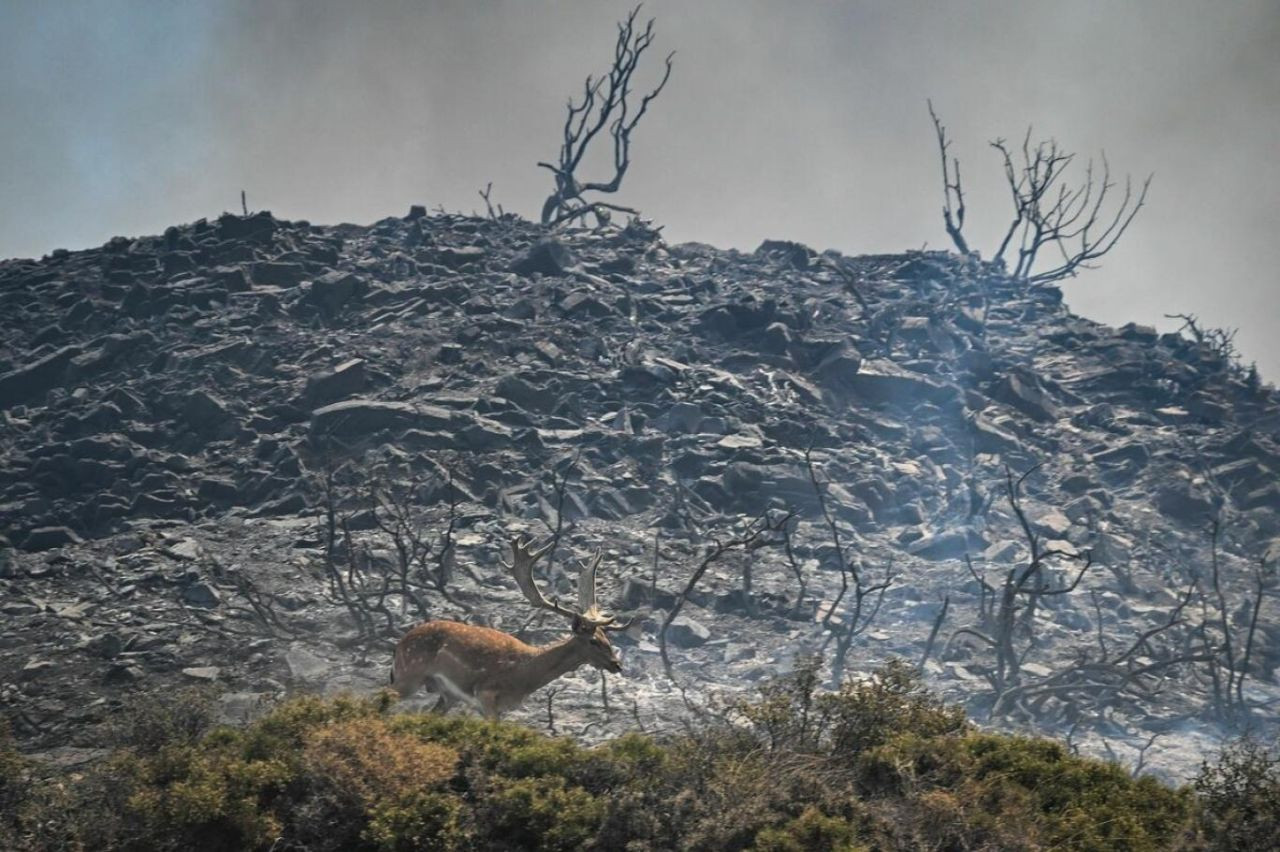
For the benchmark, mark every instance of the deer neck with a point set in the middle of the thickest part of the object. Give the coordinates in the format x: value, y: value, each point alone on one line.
x: 549, y: 662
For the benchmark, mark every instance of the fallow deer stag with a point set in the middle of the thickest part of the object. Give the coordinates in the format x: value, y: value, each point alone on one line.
x: 494, y: 671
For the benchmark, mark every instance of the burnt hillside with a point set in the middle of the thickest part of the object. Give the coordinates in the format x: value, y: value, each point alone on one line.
x: 250, y: 452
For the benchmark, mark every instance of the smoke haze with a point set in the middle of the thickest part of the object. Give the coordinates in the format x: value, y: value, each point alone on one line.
x: 782, y: 120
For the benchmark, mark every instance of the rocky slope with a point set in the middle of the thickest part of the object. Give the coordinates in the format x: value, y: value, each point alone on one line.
x: 205, y: 433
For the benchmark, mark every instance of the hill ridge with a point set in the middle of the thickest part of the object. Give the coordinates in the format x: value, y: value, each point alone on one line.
x: 173, y: 405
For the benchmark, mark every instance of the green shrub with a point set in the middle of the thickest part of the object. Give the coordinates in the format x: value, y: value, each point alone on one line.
x: 879, y: 764
x: 538, y: 813
x: 788, y: 714
x: 423, y: 820
x: 213, y: 795
x: 1001, y: 789
x: 1240, y: 794
x: 363, y: 761
x: 393, y: 783
x: 892, y: 702
x: 15, y: 782
x: 811, y: 830
x: 792, y: 712
x: 284, y: 730
x: 332, y: 773
x: 511, y: 750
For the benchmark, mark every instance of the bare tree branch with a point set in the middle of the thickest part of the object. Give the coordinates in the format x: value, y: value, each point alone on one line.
x: 754, y: 536
x: 952, y: 214
x: 606, y: 103
x: 1077, y: 223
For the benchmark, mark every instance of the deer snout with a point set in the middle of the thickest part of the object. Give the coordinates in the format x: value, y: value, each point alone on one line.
x: 609, y: 662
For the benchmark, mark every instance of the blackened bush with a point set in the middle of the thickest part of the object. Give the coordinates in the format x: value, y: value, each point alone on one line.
x: 154, y: 720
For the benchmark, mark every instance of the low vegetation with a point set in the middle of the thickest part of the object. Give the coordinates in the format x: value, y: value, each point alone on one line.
x: 879, y: 764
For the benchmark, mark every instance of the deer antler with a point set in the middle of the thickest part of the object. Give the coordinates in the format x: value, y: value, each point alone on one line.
x: 587, y: 584
x: 523, y: 557
x: 588, y: 610
x: 521, y: 568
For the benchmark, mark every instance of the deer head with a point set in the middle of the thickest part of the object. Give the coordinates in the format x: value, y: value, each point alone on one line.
x: 587, y: 623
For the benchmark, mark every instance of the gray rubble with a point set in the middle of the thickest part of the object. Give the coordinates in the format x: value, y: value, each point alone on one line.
x: 179, y: 413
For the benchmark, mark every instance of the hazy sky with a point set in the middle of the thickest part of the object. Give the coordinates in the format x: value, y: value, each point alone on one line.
x: 787, y: 120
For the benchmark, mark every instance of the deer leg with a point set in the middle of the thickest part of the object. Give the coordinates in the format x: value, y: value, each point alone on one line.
x: 452, y: 694
x: 406, y: 685
x: 488, y: 700
x: 446, y: 700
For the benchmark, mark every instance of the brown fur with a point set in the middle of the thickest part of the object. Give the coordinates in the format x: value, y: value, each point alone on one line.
x: 491, y: 668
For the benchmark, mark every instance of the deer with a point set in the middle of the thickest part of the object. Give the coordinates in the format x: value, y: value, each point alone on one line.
x: 492, y: 671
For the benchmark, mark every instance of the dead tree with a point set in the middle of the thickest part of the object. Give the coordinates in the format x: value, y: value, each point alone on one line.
x: 867, y: 594
x: 1228, y: 646
x: 933, y: 632
x: 606, y: 104
x: 392, y: 506
x: 1093, y: 684
x: 357, y: 592
x: 424, y: 562
x: 351, y: 588
x: 765, y: 531
x: 563, y: 471
x: 1099, y: 679
x: 796, y: 570
x: 1072, y: 223
x: 1217, y: 346
x: 1013, y: 605
x: 494, y: 215
x: 261, y: 609
x: 1136, y: 770
x: 952, y: 188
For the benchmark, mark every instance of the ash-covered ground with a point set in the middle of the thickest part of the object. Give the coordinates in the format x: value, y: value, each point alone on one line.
x: 249, y: 453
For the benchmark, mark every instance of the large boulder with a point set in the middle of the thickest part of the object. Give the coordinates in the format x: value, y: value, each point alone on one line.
x: 549, y: 258
x: 331, y: 291
x: 344, y: 380
x: 356, y: 417
x: 36, y: 378
x: 1023, y: 391
x: 881, y: 380
x: 47, y: 538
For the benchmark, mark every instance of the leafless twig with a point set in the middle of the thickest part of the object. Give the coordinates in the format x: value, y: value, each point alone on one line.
x: 485, y: 193
x: 756, y: 534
